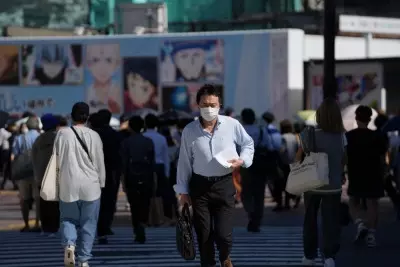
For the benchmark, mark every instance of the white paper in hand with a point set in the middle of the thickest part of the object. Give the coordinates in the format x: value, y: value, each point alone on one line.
x: 225, y: 155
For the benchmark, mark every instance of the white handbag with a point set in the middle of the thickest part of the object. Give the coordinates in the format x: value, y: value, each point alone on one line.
x: 50, y: 185
x: 312, y: 173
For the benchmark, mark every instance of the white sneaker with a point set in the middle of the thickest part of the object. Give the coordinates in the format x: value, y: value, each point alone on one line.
x: 84, y: 264
x: 69, y: 256
x: 329, y: 262
x: 308, y: 262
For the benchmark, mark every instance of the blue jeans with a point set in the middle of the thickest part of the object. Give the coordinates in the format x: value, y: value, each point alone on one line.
x: 79, y: 216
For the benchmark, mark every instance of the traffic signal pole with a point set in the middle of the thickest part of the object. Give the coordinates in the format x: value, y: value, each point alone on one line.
x: 329, y: 86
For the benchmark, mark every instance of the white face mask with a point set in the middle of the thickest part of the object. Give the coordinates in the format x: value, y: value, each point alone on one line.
x: 209, y: 113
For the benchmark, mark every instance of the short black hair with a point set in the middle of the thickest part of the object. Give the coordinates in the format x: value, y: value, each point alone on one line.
x: 363, y: 114
x: 268, y: 117
x: 381, y: 120
x: 208, y: 89
x: 105, y: 116
x: 62, y: 121
x: 95, y: 120
x: 80, y: 112
x: 286, y: 127
x: 151, y: 121
x: 228, y: 111
x: 248, y: 116
x: 136, y: 123
x: 123, y: 118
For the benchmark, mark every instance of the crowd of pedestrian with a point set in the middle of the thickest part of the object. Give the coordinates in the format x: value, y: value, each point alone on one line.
x: 161, y: 168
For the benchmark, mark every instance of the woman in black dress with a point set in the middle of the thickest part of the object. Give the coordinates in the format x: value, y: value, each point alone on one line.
x: 366, y: 153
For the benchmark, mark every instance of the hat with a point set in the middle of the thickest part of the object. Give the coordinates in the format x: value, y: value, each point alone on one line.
x: 49, y: 121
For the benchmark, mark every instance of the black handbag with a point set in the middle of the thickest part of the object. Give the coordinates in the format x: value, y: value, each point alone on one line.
x: 184, y: 235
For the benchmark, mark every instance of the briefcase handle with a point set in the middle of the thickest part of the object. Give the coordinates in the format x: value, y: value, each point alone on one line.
x: 186, y: 210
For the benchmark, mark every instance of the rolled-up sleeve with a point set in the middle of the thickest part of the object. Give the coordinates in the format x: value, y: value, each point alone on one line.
x: 246, y: 144
x: 184, y: 170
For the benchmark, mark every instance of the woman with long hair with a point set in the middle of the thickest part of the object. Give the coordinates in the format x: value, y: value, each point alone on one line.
x: 330, y: 139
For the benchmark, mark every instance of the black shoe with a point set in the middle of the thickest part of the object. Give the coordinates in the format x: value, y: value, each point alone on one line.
x: 109, y: 232
x: 140, y: 240
x: 252, y: 228
x: 103, y: 240
x: 25, y: 229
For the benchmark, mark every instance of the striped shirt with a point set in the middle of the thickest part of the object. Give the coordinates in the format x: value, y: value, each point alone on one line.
x: 198, y: 148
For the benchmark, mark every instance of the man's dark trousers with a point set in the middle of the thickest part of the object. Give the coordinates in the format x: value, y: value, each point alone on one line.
x: 108, y: 203
x: 139, y: 200
x: 213, y: 202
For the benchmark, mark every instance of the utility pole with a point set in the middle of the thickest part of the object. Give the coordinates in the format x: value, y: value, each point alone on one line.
x: 330, y: 86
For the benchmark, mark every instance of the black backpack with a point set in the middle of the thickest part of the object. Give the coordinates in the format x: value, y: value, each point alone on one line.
x: 264, y: 159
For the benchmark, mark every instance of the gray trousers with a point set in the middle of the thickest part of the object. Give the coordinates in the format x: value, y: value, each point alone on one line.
x: 331, y: 226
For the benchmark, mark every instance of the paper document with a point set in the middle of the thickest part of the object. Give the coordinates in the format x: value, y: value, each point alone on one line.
x: 225, y: 155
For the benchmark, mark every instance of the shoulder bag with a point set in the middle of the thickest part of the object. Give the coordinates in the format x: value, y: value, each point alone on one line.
x: 49, y: 189
x: 313, y: 171
x: 82, y: 143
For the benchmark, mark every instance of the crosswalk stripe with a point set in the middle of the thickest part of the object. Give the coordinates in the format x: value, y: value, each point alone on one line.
x: 274, y: 246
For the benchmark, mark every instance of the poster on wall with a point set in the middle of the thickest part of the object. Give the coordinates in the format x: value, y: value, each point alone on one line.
x: 192, y: 61
x: 9, y: 65
x: 140, y: 81
x: 358, y: 83
x: 52, y: 64
x: 183, y: 97
x: 103, y: 77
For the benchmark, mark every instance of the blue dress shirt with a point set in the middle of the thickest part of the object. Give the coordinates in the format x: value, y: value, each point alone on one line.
x: 160, y: 148
x: 24, y: 142
x: 198, y: 148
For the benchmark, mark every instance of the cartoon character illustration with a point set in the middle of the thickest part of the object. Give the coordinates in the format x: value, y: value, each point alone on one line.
x: 140, y: 83
x: 192, y: 61
x: 176, y: 97
x: 9, y: 65
x: 103, y: 62
x: 52, y: 64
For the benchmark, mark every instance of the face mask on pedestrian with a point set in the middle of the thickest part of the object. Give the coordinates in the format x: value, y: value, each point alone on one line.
x: 209, y: 113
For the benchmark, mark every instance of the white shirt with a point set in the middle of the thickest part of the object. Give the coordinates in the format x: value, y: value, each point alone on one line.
x: 80, y: 178
x: 5, y: 135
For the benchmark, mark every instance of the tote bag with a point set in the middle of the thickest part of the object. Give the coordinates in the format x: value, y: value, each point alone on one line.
x: 50, y: 186
x: 312, y: 172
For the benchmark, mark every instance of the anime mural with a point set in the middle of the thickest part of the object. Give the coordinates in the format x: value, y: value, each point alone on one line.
x: 192, y: 61
x: 124, y: 73
x: 9, y: 65
x: 103, y: 77
x: 140, y: 83
x: 52, y: 64
x: 182, y: 97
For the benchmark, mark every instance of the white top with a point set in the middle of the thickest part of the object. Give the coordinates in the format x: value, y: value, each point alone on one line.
x: 4, y: 136
x: 80, y: 178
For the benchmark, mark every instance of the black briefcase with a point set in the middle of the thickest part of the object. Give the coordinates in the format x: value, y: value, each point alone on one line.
x: 184, y: 235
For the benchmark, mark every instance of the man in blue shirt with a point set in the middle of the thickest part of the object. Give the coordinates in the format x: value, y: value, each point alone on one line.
x: 274, y: 144
x: 162, y: 163
x: 207, y: 184
x: 28, y: 188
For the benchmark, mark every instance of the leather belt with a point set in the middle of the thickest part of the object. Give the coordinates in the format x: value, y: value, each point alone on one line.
x: 212, y: 178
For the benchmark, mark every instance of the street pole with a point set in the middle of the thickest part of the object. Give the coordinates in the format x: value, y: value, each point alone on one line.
x: 330, y: 87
